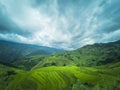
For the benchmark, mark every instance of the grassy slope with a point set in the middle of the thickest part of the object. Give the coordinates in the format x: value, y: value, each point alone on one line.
x: 68, y: 78
x: 28, y: 63
x: 90, y: 55
x: 61, y: 71
x: 17, y: 54
x: 7, y: 74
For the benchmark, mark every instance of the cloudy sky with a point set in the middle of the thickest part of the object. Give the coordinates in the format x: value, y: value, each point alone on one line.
x: 67, y: 24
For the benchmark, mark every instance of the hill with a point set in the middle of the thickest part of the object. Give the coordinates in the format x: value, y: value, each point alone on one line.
x: 7, y: 74
x: 92, y: 67
x: 12, y: 53
x: 90, y: 55
x: 68, y: 78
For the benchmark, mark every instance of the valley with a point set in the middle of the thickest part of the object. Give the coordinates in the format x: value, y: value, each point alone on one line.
x: 92, y: 67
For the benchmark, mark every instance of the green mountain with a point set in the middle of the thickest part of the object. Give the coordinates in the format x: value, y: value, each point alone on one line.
x: 92, y: 67
x: 90, y: 55
x: 14, y: 54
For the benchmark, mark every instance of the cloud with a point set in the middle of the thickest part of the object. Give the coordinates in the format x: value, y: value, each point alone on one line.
x: 67, y: 24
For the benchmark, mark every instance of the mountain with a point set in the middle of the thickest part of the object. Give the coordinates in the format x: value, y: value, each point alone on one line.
x: 12, y: 52
x: 92, y: 67
x: 90, y: 55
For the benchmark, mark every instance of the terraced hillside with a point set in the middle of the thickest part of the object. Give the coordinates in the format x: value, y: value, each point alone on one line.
x: 68, y: 78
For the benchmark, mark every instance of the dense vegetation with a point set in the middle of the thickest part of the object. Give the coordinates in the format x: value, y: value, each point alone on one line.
x: 92, y: 67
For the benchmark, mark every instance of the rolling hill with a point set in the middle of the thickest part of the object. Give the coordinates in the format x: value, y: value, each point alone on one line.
x: 68, y: 78
x: 92, y: 67
x: 90, y: 55
x: 13, y: 54
x: 7, y: 74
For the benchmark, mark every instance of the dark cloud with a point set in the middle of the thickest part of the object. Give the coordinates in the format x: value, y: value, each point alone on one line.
x: 67, y: 24
x: 9, y: 26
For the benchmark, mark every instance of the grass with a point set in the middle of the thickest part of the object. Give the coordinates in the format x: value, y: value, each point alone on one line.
x: 7, y: 74
x: 90, y: 55
x: 66, y: 78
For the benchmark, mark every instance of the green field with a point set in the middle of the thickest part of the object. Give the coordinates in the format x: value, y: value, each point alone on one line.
x: 67, y: 78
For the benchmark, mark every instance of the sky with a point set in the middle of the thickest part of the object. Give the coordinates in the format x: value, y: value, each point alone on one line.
x: 65, y: 24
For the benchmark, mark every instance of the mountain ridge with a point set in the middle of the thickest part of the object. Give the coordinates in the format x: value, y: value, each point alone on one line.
x: 12, y: 52
x: 89, y: 55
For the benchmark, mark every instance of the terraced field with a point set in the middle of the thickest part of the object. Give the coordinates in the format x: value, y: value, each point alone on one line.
x: 67, y: 78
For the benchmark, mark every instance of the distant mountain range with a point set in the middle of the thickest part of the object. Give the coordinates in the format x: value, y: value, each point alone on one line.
x: 11, y: 52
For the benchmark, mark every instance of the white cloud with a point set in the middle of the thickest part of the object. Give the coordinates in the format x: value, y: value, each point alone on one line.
x: 113, y: 36
x: 70, y: 26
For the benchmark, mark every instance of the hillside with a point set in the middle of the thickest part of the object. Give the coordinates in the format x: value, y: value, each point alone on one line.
x: 68, y: 78
x: 15, y: 53
x: 67, y: 70
x: 90, y: 55
x: 7, y: 74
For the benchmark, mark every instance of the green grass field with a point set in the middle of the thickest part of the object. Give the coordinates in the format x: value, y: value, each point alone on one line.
x: 67, y: 78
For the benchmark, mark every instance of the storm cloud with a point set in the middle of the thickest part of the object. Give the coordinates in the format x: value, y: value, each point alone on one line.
x: 67, y: 24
